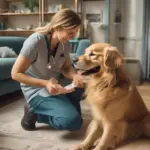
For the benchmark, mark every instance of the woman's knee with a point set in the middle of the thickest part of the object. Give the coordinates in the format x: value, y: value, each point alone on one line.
x: 71, y: 123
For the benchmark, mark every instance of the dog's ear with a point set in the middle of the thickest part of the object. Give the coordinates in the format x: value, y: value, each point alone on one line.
x: 112, y: 58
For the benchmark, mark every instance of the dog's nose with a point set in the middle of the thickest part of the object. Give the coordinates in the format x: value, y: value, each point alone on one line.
x: 75, y: 59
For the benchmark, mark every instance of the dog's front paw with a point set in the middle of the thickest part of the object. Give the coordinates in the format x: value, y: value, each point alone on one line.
x: 81, y: 147
x: 101, y: 148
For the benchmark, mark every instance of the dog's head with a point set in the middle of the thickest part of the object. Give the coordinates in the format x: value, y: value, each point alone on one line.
x: 101, y: 54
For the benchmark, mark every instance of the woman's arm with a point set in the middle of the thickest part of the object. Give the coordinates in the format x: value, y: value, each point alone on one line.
x: 18, y: 73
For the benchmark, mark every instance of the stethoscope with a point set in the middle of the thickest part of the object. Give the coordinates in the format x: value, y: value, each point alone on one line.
x: 51, y: 59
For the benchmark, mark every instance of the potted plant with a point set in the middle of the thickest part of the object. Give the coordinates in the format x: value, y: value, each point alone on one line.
x: 31, y: 4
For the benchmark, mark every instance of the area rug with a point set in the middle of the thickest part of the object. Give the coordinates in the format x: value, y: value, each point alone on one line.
x: 13, y: 137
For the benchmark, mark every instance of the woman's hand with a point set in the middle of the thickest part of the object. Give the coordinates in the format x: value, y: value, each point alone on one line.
x: 54, y: 88
x: 79, y: 80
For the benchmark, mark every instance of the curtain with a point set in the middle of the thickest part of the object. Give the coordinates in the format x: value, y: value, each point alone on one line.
x: 146, y: 41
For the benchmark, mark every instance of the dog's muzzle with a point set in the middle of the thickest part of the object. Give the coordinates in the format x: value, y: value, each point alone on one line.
x: 85, y: 72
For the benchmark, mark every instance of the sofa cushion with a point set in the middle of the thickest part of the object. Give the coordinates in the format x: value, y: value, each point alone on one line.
x: 6, y: 52
x: 5, y: 67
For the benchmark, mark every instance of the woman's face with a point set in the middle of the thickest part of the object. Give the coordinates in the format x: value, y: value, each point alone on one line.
x: 67, y: 34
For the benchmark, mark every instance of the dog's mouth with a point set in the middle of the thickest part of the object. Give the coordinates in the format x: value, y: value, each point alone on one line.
x: 90, y: 71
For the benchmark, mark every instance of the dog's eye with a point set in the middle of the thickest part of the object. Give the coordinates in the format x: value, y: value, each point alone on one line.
x: 92, y: 54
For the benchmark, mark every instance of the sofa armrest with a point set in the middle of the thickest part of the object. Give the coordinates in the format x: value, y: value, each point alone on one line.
x: 15, y: 43
x: 6, y: 65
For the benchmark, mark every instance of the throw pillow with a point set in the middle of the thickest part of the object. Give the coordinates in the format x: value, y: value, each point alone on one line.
x: 6, y: 52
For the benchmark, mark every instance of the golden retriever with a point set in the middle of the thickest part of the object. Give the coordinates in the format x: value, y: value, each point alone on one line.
x: 118, y: 110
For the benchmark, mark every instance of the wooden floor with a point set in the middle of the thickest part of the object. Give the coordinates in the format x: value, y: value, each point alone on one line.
x: 145, y: 93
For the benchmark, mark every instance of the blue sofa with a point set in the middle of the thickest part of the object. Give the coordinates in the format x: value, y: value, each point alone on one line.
x: 7, y: 85
x: 79, y: 47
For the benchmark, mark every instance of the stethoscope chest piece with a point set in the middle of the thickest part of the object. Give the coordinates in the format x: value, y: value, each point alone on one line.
x: 51, y: 62
x: 49, y: 66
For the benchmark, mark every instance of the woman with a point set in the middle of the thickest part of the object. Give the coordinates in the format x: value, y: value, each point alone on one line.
x: 43, y: 57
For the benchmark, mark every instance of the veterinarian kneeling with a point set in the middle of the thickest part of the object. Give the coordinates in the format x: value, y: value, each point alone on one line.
x: 44, y: 56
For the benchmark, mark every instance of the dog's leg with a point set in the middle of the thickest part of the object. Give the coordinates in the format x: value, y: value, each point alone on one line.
x: 112, y: 135
x: 107, y: 140
x: 94, y: 133
x: 146, y: 124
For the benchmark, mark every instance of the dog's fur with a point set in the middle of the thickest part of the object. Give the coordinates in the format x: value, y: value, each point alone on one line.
x: 118, y: 110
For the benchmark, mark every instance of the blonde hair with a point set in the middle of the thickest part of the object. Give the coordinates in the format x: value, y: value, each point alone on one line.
x: 63, y: 19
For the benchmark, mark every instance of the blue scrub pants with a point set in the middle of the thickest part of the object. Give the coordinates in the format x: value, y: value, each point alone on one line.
x: 62, y: 112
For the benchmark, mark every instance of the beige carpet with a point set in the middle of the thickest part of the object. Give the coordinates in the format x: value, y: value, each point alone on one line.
x: 13, y: 137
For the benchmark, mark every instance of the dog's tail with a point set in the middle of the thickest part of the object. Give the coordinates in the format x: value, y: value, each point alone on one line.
x: 146, y: 125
